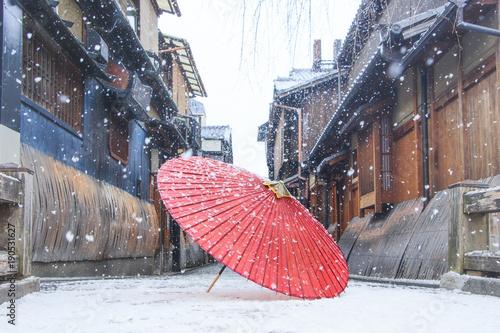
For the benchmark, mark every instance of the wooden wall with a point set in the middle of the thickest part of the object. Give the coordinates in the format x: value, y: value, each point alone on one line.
x: 405, y: 166
x: 89, y: 150
x: 180, y: 89
x: 149, y: 26
x: 317, y: 109
x: 484, y: 131
x: 465, y: 135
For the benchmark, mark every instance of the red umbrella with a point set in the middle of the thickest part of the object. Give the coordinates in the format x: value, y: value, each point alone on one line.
x: 245, y: 223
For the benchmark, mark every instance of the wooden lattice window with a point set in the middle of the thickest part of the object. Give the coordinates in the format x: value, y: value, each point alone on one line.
x: 49, y: 78
x: 119, y: 137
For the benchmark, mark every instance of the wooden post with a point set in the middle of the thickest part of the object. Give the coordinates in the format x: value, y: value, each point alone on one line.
x: 377, y: 168
x: 467, y: 232
x: 16, y: 214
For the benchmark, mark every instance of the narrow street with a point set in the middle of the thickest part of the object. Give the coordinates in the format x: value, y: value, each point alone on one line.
x: 179, y: 303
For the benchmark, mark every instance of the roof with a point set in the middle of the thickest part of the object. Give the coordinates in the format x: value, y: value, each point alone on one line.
x: 216, y: 133
x: 196, y: 107
x: 302, y: 78
x: 180, y: 48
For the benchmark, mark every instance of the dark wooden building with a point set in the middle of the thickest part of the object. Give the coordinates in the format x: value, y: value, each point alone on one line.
x: 302, y: 104
x: 418, y: 112
x: 217, y: 143
x: 94, y: 99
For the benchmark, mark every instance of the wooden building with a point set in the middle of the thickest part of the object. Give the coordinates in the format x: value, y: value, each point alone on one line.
x: 418, y: 113
x: 94, y: 99
x: 302, y: 104
x: 217, y: 143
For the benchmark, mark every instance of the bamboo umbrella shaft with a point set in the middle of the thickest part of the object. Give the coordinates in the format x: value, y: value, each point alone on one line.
x: 216, y: 278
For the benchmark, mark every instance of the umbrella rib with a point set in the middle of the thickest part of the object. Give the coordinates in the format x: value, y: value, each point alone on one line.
x: 326, y: 255
x: 259, y: 227
x: 222, y: 222
x: 287, y: 241
x: 335, y: 253
x: 268, y: 231
x: 298, y: 252
x: 211, y: 207
x: 177, y: 189
x: 269, y: 194
x: 308, y: 240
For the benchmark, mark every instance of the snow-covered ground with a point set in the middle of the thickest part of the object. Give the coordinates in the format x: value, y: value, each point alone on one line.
x: 179, y: 303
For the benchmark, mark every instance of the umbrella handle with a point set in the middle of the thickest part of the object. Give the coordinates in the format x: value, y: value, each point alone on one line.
x: 216, y: 278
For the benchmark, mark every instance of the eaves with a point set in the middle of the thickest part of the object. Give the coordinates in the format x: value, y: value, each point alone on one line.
x: 330, y: 76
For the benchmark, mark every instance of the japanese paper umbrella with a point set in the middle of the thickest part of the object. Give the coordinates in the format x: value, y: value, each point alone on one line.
x: 252, y: 227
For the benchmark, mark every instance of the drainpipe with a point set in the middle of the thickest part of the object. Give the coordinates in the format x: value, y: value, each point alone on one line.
x: 425, y: 134
x: 473, y: 27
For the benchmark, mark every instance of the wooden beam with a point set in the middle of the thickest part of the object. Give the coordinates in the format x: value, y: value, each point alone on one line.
x: 339, y: 158
x: 488, y: 262
x: 465, y: 118
x: 380, y: 106
x: 377, y: 165
x: 467, y: 233
x: 287, y: 107
x: 172, y: 49
x: 482, y: 201
x: 482, y: 2
x: 8, y: 266
x: 367, y: 200
x: 9, y: 189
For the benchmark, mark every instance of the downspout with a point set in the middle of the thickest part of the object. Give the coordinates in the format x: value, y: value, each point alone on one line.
x: 425, y: 134
x: 470, y: 26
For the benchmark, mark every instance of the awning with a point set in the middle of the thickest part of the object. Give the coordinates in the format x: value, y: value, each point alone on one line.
x: 333, y: 159
x: 180, y: 48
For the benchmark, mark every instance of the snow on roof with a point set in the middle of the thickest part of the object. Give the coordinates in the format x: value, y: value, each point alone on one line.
x: 196, y: 107
x: 301, y: 77
x: 216, y: 133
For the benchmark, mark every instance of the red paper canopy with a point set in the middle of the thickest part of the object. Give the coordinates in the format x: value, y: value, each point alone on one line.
x: 242, y: 223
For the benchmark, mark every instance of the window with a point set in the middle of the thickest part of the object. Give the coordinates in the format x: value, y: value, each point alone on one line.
x: 119, y: 137
x: 49, y: 78
x: 212, y: 145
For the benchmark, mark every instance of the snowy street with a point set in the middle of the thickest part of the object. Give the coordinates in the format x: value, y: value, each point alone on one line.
x: 179, y: 303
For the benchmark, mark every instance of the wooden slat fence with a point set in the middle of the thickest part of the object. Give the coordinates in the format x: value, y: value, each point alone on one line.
x: 78, y: 218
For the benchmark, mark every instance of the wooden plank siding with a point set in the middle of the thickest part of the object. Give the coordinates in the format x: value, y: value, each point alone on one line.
x: 405, y: 158
x: 68, y: 227
x: 381, y: 244
x: 483, y: 128
x: 407, y: 243
x: 425, y: 257
x: 317, y: 109
x: 351, y: 234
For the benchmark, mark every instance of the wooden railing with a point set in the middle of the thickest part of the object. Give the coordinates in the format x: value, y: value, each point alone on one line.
x: 469, y: 249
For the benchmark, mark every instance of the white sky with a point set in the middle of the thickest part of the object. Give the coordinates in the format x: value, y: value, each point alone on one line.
x: 238, y: 59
